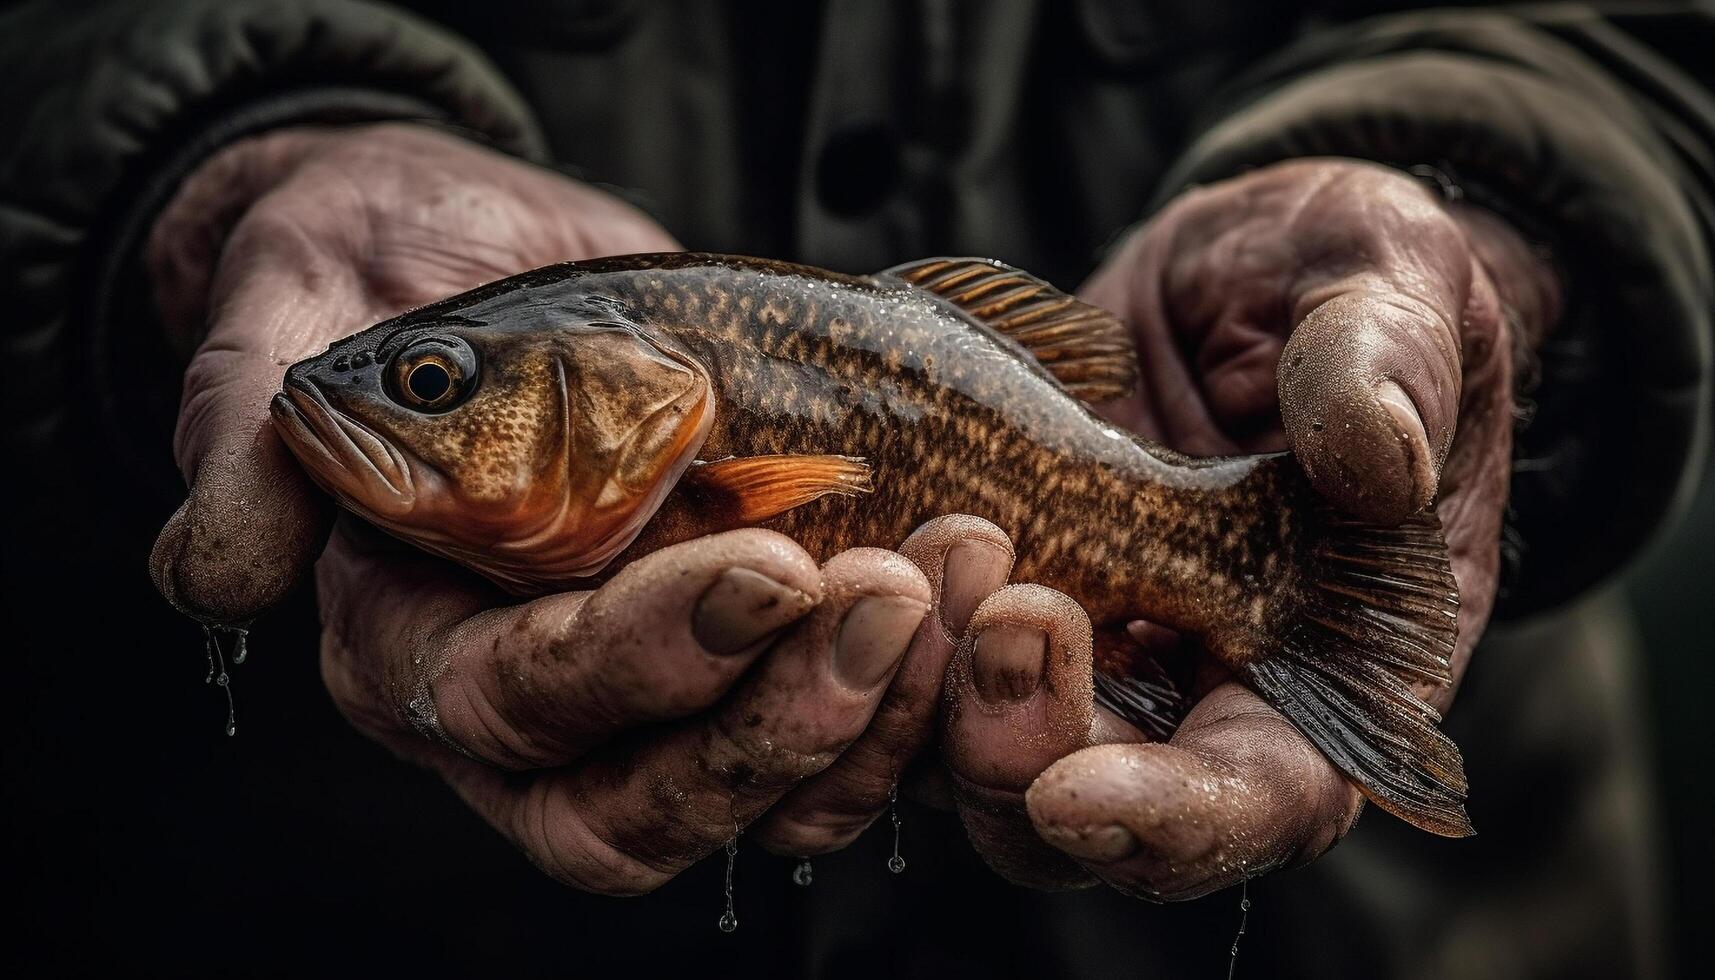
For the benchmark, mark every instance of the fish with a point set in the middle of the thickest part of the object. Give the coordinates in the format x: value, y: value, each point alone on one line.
x: 546, y: 429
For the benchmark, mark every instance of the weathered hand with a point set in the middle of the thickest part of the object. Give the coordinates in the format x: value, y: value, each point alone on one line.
x: 618, y: 736
x: 1333, y: 307
x: 286, y: 241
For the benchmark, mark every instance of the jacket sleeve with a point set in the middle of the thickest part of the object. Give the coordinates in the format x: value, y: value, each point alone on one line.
x: 1588, y: 133
x: 107, y: 106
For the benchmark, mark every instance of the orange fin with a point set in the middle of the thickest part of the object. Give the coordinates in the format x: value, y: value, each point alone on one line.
x: 1086, y: 348
x: 756, y: 488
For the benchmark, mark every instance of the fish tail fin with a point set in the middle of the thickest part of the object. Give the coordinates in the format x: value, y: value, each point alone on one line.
x: 1379, y: 613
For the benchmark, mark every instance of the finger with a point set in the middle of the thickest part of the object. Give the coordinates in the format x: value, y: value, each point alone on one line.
x: 1236, y: 793
x: 636, y: 813
x: 537, y: 684
x: 1018, y: 697
x: 1370, y: 380
x: 963, y: 559
x: 1475, y: 477
x: 253, y: 522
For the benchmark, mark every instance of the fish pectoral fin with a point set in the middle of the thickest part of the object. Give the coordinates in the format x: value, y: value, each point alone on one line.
x: 1086, y: 348
x: 1382, y: 615
x: 755, y: 488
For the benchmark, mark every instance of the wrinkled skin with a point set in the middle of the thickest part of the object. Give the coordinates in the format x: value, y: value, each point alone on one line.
x: 727, y: 682
x: 1335, y: 308
x: 620, y: 735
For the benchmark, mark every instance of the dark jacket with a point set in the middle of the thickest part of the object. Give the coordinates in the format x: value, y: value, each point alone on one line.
x: 843, y: 134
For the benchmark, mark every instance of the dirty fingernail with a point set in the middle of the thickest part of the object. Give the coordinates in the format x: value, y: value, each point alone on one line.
x: 971, y: 570
x: 742, y: 607
x: 1007, y: 663
x: 1099, y: 845
x: 873, y: 637
x: 1414, y: 448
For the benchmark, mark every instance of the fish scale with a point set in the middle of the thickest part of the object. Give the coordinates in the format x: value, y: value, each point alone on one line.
x: 677, y: 395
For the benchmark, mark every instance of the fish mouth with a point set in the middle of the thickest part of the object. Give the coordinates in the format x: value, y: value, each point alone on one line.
x: 346, y: 457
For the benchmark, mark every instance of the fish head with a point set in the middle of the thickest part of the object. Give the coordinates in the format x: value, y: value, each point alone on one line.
x: 533, y: 454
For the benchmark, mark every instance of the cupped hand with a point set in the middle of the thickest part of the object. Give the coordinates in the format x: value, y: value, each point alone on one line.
x: 286, y: 241
x: 616, y: 735
x: 720, y: 686
x: 1339, y: 309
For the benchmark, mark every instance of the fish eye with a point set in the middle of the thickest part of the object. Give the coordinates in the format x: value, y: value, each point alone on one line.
x: 433, y: 374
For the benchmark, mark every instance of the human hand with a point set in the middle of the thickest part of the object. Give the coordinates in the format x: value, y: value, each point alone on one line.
x: 286, y: 241
x: 618, y: 736
x: 1334, y: 307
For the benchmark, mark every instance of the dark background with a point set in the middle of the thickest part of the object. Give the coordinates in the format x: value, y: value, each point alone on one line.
x: 1673, y: 591
x: 138, y: 835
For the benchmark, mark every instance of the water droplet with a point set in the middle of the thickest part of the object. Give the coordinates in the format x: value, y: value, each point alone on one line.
x: 802, y: 875
x: 895, y: 864
x: 1244, y: 918
x: 729, y: 918
x: 242, y: 650
x: 217, y: 673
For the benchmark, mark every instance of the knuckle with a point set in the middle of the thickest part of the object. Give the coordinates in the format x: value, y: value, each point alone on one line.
x: 811, y: 832
x: 557, y: 840
x: 458, y: 708
x: 622, y: 672
x: 355, y: 693
x: 876, y: 570
x: 748, y: 754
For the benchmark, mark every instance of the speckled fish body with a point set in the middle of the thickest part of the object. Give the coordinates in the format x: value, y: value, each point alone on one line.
x: 904, y: 376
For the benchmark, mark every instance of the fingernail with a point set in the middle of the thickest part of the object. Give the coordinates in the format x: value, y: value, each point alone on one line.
x: 1101, y: 845
x: 972, y: 569
x: 873, y: 637
x: 165, y: 556
x: 1007, y: 663
x: 1414, y: 448
x: 741, y: 608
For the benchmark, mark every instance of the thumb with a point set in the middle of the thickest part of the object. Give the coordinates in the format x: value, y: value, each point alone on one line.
x: 253, y: 523
x: 1369, y: 387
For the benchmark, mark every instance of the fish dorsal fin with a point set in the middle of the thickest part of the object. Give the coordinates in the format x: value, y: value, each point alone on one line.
x: 1084, y: 347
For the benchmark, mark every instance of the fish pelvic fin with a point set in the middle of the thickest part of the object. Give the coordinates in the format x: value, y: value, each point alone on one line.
x: 1134, y: 682
x: 751, y: 489
x: 1086, y: 348
x: 1152, y: 704
x: 1380, y: 614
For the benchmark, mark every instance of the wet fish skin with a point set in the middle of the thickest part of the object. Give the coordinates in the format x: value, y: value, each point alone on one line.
x: 950, y: 417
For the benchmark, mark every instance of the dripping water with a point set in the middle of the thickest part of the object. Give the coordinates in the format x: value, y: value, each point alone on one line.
x: 729, y: 918
x: 217, y: 674
x: 802, y: 874
x: 1244, y: 917
x: 895, y: 864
